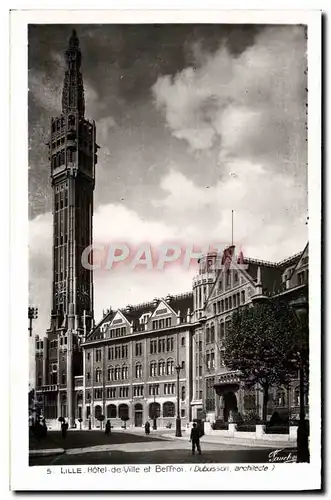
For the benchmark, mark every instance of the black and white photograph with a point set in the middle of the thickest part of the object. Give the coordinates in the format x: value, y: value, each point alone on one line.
x: 172, y: 215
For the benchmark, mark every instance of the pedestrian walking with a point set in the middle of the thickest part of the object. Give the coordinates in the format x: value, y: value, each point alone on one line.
x: 108, y: 428
x: 147, y: 428
x: 64, y: 428
x: 195, y: 439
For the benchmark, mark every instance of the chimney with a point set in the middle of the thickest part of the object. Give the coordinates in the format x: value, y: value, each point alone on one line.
x: 188, y: 316
x: 178, y: 317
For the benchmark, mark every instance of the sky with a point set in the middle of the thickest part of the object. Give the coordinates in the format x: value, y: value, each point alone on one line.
x: 193, y: 121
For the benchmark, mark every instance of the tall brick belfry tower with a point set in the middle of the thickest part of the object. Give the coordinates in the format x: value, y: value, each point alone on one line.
x: 72, y: 151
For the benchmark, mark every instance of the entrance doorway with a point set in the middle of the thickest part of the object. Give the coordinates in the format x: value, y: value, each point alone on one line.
x: 138, y: 415
x: 230, y: 405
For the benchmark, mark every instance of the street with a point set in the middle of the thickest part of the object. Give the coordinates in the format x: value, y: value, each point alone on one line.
x: 93, y: 447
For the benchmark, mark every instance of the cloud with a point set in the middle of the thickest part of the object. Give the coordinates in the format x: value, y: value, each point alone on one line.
x: 251, y: 106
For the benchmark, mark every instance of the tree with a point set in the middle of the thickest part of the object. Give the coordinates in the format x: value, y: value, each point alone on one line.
x: 125, y: 418
x: 101, y: 418
x: 260, y: 343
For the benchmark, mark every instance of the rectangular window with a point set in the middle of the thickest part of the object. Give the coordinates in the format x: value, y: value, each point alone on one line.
x: 243, y: 297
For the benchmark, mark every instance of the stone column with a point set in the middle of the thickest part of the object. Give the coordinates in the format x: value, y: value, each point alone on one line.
x: 84, y: 389
x: 70, y: 378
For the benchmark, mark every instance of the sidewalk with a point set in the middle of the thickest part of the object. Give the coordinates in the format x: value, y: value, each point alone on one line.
x: 214, y: 439
x: 167, y: 436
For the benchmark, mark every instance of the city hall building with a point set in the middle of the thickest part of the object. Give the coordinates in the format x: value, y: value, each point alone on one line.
x: 154, y: 360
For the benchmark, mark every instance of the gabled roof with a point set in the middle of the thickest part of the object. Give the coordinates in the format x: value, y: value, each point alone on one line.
x: 181, y: 303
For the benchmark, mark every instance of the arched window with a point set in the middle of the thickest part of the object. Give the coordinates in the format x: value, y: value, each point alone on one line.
x: 97, y: 411
x: 154, y: 410
x: 111, y: 411
x: 170, y: 367
x: 69, y: 155
x: 117, y: 373
x: 153, y: 369
x: 125, y: 372
x: 183, y: 393
x: 168, y: 409
x: 111, y: 373
x: 123, y: 412
x: 207, y: 335
x: 212, y: 333
x: 280, y: 398
x: 98, y: 375
x: 161, y: 367
x: 222, y: 330
x: 138, y: 370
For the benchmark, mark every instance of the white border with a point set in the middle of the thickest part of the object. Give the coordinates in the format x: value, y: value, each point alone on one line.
x: 291, y: 476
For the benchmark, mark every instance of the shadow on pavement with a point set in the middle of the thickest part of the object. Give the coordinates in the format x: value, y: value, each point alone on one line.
x: 157, y: 457
x: 82, y: 439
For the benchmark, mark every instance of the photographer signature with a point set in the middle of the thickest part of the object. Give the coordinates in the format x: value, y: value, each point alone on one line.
x: 282, y: 456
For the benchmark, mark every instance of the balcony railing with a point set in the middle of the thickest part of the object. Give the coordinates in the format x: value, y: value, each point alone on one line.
x: 47, y: 388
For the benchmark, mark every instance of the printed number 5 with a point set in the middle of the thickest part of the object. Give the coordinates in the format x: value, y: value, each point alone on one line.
x: 49, y: 471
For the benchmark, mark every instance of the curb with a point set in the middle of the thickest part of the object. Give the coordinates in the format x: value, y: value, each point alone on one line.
x: 235, y: 442
x: 46, y: 453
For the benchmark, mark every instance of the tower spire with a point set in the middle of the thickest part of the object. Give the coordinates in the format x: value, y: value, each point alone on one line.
x: 73, y: 88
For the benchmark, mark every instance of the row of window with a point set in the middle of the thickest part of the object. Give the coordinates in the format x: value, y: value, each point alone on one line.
x: 161, y: 323
x: 117, y: 332
x: 117, y: 373
x: 165, y: 344
x: 162, y: 368
x: 123, y: 410
x: 138, y: 391
x: 210, y: 332
x: 60, y: 122
x: 116, y: 352
x: 229, y: 303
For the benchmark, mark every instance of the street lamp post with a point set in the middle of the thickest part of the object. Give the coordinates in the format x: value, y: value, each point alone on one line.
x: 178, y: 421
x: 154, y: 411
x: 300, y: 306
x: 32, y: 314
